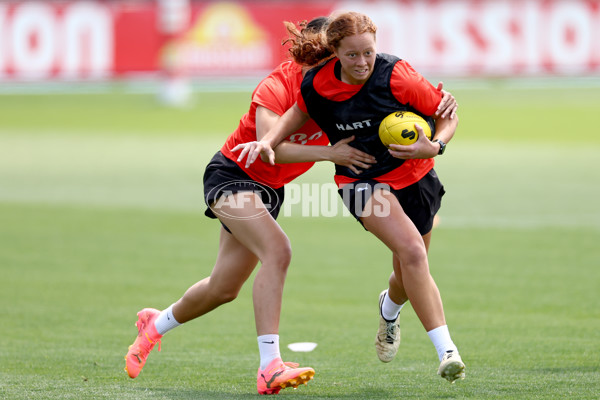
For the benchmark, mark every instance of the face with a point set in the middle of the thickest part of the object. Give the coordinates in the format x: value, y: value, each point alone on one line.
x: 357, y: 56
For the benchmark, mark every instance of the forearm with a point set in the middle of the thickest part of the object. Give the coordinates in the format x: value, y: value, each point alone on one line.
x: 292, y: 120
x: 287, y: 153
x: 445, y: 128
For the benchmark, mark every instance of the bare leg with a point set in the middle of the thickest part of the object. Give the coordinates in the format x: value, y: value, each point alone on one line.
x: 234, y: 265
x: 263, y: 237
x: 400, y: 235
x: 396, y: 286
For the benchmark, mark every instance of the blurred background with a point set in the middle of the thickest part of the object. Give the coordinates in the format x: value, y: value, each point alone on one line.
x: 184, y: 43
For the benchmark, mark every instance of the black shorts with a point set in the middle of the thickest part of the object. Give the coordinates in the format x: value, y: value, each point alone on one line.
x: 223, y: 177
x: 420, y: 201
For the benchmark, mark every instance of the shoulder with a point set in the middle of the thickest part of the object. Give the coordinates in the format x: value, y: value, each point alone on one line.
x: 287, y: 71
x: 278, y: 90
x: 402, y: 69
x: 404, y: 74
x: 289, y: 68
x: 320, y: 77
x: 285, y: 77
x: 324, y: 70
x: 410, y: 87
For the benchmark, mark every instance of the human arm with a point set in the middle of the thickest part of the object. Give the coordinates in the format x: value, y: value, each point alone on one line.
x: 423, y: 147
x: 340, y: 153
x: 288, y: 123
x: 287, y: 152
x: 410, y: 87
x: 448, y: 104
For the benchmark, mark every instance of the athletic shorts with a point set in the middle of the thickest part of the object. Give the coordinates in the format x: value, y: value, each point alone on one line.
x: 223, y: 177
x: 420, y: 201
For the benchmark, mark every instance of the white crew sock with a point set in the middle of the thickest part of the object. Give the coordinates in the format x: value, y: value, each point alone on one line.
x: 166, y: 321
x: 268, y: 346
x: 389, y: 309
x: 440, y: 337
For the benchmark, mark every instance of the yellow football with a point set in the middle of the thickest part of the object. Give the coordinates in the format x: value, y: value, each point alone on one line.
x: 399, y: 128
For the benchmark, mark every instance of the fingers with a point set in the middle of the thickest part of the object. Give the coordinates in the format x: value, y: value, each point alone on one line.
x: 453, y: 112
x: 361, y: 165
x: 419, y: 130
x: 251, y: 150
x: 445, y: 102
x: 421, y: 137
x: 448, y: 104
x: 364, y: 157
x: 398, y: 148
x: 359, y: 156
x: 354, y: 169
x: 355, y: 164
x: 245, y: 149
x: 404, y: 152
x: 361, y: 160
x: 252, y: 156
x: 271, y: 156
x: 347, y: 140
x: 399, y: 154
x: 450, y: 111
x: 348, y: 156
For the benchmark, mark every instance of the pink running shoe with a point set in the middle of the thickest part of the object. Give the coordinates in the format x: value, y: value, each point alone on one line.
x: 144, y: 343
x: 279, y: 375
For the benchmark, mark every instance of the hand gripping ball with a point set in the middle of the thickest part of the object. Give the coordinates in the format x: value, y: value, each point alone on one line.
x: 399, y: 128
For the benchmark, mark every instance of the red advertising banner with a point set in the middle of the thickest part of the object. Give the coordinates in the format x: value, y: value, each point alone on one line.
x: 94, y: 39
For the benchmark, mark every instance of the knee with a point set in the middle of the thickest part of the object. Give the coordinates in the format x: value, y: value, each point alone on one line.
x: 283, y: 255
x: 279, y: 256
x: 220, y: 295
x: 413, y: 257
x: 227, y: 296
x: 220, y: 292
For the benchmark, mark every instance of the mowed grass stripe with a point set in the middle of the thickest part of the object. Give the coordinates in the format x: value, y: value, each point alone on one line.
x: 494, y: 184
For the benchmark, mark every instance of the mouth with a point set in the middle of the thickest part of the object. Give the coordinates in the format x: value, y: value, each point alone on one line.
x: 361, y: 72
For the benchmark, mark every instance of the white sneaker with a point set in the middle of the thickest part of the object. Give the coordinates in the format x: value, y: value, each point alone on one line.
x: 452, y: 367
x: 387, y: 340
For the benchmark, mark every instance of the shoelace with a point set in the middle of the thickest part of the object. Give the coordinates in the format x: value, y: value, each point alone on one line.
x: 144, y: 346
x: 151, y: 342
x: 448, y: 354
x: 390, y: 332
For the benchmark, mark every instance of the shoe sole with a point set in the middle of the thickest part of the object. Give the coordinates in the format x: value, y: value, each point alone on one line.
x: 453, y: 371
x: 303, y: 378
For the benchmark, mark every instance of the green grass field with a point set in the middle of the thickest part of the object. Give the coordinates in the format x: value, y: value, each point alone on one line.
x: 101, y: 214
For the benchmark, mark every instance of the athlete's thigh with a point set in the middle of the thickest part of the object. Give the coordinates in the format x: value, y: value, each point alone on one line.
x: 392, y: 226
x: 252, y: 225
